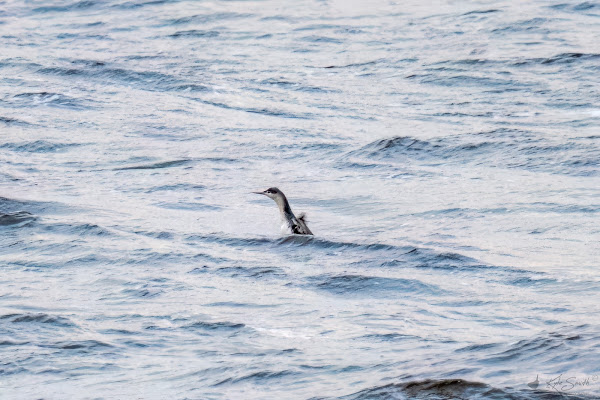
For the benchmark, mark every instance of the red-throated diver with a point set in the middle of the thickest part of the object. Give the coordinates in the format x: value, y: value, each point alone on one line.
x: 296, y: 224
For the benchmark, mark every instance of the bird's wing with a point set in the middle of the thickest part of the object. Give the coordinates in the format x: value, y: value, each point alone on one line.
x: 299, y: 225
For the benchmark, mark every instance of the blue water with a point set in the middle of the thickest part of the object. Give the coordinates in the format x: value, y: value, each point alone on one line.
x: 447, y: 156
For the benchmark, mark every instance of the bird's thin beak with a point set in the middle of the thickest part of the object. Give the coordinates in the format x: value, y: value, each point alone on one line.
x: 259, y: 192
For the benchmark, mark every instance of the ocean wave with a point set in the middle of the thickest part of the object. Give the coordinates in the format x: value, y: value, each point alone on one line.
x: 215, y: 326
x: 158, y: 165
x: 385, y: 255
x: 258, y: 110
x: 575, y: 7
x: 251, y: 272
x: 176, y: 187
x: 83, y: 346
x: 390, y: 337
x: 143, y: 3
x: 77, y: 6
x: 145, y: 80
x: 561, y: 59
x: 203, y: 19
x: 49, y: 99
x: 39, y: 146
x: 145, y: 291
x: 187, y: 205
x: 504, y: 148
x: 13, y: 121
x: 540, y: 347
x: 372, y: 285
x: 447, y: 389
x: 296, y: 241
x: 82, y: 229
x: 260, y: 377
x: 16, y: 218
x: 195, y: 33
x: 38, y: 318
x: 486, y: 11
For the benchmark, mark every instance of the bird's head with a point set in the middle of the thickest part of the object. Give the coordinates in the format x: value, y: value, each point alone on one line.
x: 273, y: 193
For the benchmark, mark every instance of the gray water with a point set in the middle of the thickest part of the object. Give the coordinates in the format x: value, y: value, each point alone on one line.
x: 447, y: 156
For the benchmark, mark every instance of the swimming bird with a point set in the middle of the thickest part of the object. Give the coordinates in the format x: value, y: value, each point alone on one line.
x: 295, y: 224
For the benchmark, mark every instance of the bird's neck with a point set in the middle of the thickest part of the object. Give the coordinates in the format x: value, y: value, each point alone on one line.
x: 284, y: 208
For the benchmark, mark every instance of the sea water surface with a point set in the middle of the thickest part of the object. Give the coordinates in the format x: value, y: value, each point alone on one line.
x: 446, y: 154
